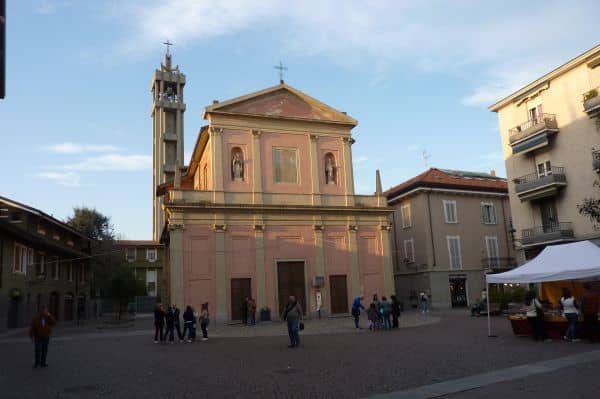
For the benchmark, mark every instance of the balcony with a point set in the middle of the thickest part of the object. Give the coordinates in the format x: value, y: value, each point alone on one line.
x: 596, y: 160
x: 546, y: 234
x: 533, y: 186
x: 498, y: 263
x: 591, y: 102
x: 533, y: 134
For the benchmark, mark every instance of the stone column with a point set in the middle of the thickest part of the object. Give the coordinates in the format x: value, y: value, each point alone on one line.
x: 176, y: 247
x: 261, y: 289
x: 349, y: 170
x: 354, y: 269
x: 314, y: 168
x: 221, y: 272
x: 388, y: 267
x: 256, y: 168
x: 217, y: 164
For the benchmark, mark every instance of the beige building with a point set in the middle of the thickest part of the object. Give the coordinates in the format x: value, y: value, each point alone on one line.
x: 146, y: 258
x: 550, y: 133
x: 449, y: 229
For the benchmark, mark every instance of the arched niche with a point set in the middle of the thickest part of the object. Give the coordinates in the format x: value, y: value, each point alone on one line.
x: 330, y: 167
x: 237, y: 164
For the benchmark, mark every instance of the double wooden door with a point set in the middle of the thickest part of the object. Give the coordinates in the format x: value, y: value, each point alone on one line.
x: 241, y: 289
x: 290, y: 281
x: 338, y: 291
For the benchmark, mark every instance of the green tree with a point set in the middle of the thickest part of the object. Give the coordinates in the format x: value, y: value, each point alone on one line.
x: 92, y: 223
x: 590, y: 207
x: 123, y: 287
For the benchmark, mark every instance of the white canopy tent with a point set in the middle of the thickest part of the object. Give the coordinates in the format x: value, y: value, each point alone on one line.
x: 572, y: 261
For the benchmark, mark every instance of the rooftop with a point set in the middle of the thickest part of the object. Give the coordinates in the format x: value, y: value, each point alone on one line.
x: 450, y: 179
x: 137, y: 243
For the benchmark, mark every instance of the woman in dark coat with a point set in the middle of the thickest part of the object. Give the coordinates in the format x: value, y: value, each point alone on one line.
x: 189, y: 324
x: 395, y: 311
x: 159, y: 323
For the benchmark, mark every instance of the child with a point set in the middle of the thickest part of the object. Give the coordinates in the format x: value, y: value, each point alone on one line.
x: 373, y: 317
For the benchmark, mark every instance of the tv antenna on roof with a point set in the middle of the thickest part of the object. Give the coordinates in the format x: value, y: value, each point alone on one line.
x: 425, y: 158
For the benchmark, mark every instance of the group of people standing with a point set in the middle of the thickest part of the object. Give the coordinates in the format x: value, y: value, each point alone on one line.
x: 570, y: 308
x: 382, y: 314
x: 170, y: 318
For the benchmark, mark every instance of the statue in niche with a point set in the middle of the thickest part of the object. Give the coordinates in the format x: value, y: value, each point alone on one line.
x: 329, y: 170
x: 237, y: 166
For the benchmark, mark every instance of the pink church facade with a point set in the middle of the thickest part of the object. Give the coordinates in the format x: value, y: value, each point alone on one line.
x: 266, y: 209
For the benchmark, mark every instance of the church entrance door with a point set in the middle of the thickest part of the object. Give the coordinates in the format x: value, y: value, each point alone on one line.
x: 339, y: 294
x: 240, y: 290
x: 290, y: 281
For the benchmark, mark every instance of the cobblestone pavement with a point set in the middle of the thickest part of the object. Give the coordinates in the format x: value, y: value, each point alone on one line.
x: 127, y: 364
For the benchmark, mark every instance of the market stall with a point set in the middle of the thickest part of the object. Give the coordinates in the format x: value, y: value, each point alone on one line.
x: 556, y: 266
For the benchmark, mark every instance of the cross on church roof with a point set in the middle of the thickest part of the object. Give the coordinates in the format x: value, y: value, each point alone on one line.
x: 168, y: 44
x: 281, y: 68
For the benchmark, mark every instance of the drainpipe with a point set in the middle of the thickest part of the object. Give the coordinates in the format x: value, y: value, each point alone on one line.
x: 395, y: 228
x: 431, y: 229
x: 508, y: 243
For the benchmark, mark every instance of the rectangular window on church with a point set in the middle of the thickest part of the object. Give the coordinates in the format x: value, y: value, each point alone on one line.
x: 285, y: 165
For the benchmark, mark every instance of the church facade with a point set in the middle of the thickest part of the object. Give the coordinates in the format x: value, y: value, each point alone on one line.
x: 266, y: 209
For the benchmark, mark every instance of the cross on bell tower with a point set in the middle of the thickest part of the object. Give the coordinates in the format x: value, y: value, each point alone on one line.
x: 167, y: 112
x: 281, y: 68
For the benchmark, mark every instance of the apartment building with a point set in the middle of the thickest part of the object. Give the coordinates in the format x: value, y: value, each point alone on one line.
x: 449, y: 229
x: 147, y: 260
x: 550, y: 133
x: 43, y: 261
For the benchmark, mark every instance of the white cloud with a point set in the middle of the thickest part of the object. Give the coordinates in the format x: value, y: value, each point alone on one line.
x: 74, y: 148
x: 112, y: 162
x: 361, y: 159
x: 68, y: 179
x: 509, y: 42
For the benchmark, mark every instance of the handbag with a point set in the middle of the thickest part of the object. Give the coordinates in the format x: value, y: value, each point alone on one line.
x: 301, y: 325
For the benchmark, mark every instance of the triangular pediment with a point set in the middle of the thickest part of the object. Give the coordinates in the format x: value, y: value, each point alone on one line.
x: 281, y: 101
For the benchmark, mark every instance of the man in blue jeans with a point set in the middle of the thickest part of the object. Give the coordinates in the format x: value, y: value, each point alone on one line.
x: 356, y: 307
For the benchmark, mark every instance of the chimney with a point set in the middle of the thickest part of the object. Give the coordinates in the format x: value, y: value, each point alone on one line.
x: 215, y: 101
x: 378, y: 190
x: 493, y: 172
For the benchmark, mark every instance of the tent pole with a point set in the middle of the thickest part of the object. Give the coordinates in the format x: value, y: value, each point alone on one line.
x: 487, y: 298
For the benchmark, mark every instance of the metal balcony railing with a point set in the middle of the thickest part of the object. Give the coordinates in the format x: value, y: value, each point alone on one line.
x: 499, y: 263
x: 555, y: 176
x: 548, y: 232
x: 532, y: 126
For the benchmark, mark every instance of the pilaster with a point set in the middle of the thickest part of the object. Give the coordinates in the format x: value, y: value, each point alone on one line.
x: 320, y: 261
x: 388, y: 267
x: 216, y: 136
x: 256, y: 168
x: 221, y: 275
x: 261, y: 289
x: 176, y: 285
x: 354, y: 270
x: 314, y: 168
x: 349, y: 170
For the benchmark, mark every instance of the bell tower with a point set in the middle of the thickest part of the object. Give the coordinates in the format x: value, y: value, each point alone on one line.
x: 167, y: 132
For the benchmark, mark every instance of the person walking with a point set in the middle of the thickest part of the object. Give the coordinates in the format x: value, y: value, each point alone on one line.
x: 159, y: 323
x: 424, y: 303
x: 292, y: 315
x: 568, y: 304
x: 395, y: 311
x: 204, y: 321
x: 177, y: 320
x: 377, y: 303
x: 170, y: 322
x: 386, y: 311
x: 589, y: 308
x: 189, y: 324
x: 39, y: 332
x: 356, y: 307
x: 251, y: 312
x: 535, y: 315
x: 373, y: 316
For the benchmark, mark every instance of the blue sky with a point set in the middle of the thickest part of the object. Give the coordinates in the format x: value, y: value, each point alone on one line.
x: 76, y: 128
